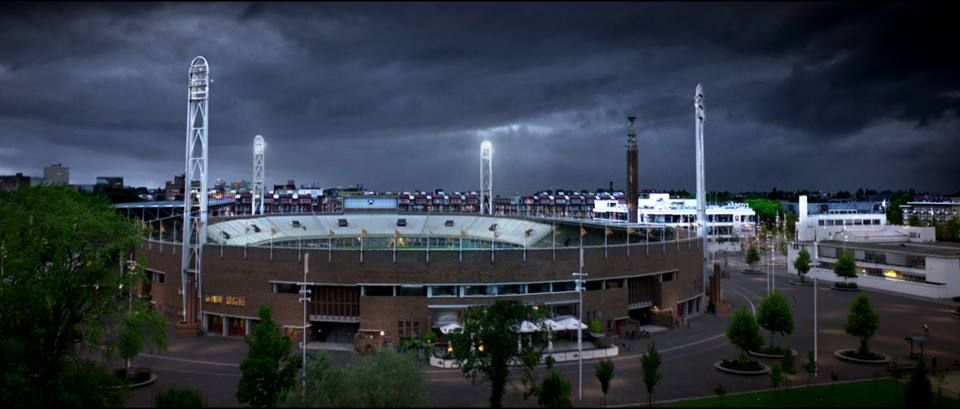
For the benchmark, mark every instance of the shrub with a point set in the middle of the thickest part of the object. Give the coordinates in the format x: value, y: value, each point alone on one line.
x: 179, y: 398
x: 787, y: 361
x: 596, y: 327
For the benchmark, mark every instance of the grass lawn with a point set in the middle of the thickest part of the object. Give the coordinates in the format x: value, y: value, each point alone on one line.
x: 868, y: 394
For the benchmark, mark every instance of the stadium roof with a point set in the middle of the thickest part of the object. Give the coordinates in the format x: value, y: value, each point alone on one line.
x: 169, y: 204
x: 241, y: 232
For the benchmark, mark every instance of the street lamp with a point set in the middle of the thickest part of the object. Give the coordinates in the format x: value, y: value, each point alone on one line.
x: 304, y: 298
x: 580, y: 276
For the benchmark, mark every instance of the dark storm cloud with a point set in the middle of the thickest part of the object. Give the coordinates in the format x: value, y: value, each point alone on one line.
x: 399, y: 96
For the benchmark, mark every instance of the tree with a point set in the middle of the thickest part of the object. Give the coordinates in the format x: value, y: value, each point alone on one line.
x: 776, y: 376
x: 862, y: 322
x: 802, y: 264
x: 555, y: 391
x: 766, y: 209
x: 326, y: 385
x: 180, y: 398
x: 913, y: 220
x: 845, y: 267
x: 488, y: 342
x: 753, y: 255
x: 60, y: 252
x: 775, y: 316
x: 917, y: 393
x: 651, y: 370
x: 141, y: 327
x: 811, y: 366
x: 605, y: 375
x: 269, y: 367
x: 744, y: 332
x: 787, y: 362
x: 387, y: 379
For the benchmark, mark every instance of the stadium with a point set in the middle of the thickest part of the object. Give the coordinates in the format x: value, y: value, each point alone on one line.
x: 379, y: 269
x: 397, y: 275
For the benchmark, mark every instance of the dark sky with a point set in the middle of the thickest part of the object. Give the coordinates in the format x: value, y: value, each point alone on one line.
x: 399, y: 96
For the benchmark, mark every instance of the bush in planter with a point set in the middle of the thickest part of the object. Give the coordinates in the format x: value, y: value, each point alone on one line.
x: 596, y: 327
x: 744, y: 333
x: 601, y: 343
x: 802, y: 264
x: 862, y: 322
x: 753, y: 255
x: 775, y: 316
x: 850, y: 286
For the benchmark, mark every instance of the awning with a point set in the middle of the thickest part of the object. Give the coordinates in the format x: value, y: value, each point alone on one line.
x: 452, y: 327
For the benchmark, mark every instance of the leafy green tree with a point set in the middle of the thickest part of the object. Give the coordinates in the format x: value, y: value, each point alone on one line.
x: 845, y: 267
x: 650, y: 363
x: 270, y: 366
x: 753, y: 255
x: 326, y: 386
x: 862, y: 322
x: 810, y: 367
x: 141, y: 328
x: 488, y: 342
x: 387, y: 379
x: 776, y: 377
x: 605, y: 370
x: 180, y: 398
x: 914, y: 220
x: 60, y: 252
x: 917, y: 393
x: 766, y: 209
x: 555, y: 391
x: 775, y: 316
x: 744, y: 332
x: 802, y: 264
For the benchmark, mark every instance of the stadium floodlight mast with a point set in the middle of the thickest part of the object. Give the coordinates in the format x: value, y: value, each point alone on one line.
x: 699, y: 117
x: 580, y: 274
x: 195, y: 210
x: 259, y: 146
x: 304, y: 298
x: 486, y: 178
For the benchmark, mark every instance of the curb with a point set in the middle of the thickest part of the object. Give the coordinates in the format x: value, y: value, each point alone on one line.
x: 793, y: 352
x: 765, y: 370
x: 839, y: 354
x: 153, y: 378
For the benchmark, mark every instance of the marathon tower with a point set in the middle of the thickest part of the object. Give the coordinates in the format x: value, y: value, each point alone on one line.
x: 633, y: 185
x: 195, y: 182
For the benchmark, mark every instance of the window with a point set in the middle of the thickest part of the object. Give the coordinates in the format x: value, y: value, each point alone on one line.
x: 411, y: 291
x: 448, y: 223
x: 475, y: 290
x: 668, y: 276
x: 286, y: 288
x: 443, y: 291
x: 614, y: 284
x: 378, y: 290
x: 342, y: 222
x: 538, y: 288
x: 401, y: 222
x: 564, y: 286
x: 593, y: 285
x: 510, y: 289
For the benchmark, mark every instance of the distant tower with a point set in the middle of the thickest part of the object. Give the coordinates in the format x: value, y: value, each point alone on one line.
x: 195, y: 182
x: 486, y: 178
x: 702, y: 229
x: 633, y: 185
x: 258, y: 147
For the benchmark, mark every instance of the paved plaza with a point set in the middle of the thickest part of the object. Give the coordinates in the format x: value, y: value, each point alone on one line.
x: 212, y: 363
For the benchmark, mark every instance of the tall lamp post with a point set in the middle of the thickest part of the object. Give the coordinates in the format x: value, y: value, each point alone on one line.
x: 304, y: 298
x: 580, y: 274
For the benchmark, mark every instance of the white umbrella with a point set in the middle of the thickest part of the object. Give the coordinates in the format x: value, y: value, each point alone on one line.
x: 571, y: 324
x: 527, y: 327
x: 451, y: 327
x: 552, y: 325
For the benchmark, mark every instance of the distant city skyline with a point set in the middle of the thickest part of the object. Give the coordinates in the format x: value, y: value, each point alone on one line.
x: 399, y: 96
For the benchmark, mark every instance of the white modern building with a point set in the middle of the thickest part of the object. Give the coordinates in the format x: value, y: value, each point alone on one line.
x: 727, y: 223
x: 893, y: 258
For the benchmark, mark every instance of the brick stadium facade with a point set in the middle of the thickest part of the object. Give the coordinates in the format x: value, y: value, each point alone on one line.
x: 659, y: 282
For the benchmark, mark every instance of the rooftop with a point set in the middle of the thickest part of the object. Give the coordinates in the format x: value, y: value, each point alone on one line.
x: 937, y: 249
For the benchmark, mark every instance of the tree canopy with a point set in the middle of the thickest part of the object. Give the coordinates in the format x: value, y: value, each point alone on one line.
x: 775, y: 316
x: 845, y: 267
x: 179, y: 398
x: 753, y: 255
x: 744, y: 332
x: 269, y: 367
x: 650, y: 363
x: 60, y: 258
x: 862, y: 321
x: 490, y: 340
x: 766, y: 209
x: 604, y: 374
x: 802, y: 263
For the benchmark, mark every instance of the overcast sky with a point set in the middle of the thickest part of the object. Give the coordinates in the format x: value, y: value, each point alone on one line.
x: 399, y: 96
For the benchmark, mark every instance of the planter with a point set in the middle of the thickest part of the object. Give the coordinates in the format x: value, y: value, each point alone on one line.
x: 753, y: 272
x: 721, y: 368
x: 853, y: 289
x: 774, y: 356
x: 884, y: 358
x: 597, y: 335
x: 801, y: 283
x: 142, y: 377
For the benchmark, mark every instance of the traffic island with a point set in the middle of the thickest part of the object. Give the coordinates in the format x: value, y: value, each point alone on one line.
x: 845, y: 287
x: 796, y: 283
x: 772, y: 354
x: 745, y: 368
x: 751, y: 272
x: 851, y: 355
x: 141, y: 377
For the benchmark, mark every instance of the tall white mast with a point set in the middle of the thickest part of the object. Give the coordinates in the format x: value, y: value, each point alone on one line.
x: 486, y: 178
x: 195, y: 209
x: 702, y: 229
x: 258, y: 169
